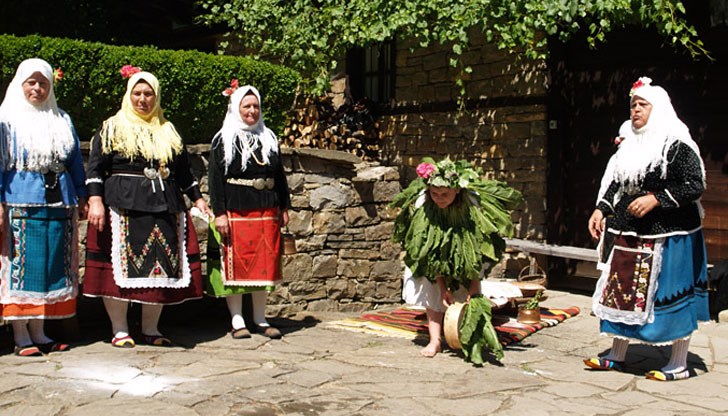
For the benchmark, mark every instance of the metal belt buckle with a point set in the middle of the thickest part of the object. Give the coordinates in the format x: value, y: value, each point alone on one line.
x: 164, y: 172
x: 270, y: 183
x: 151, y: 173
x: 259, y: 184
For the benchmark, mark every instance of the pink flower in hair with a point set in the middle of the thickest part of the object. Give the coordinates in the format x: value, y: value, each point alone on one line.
x: 424, y: 170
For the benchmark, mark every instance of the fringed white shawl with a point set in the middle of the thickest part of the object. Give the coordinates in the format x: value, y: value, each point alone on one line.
x: 238, y: 137
x: 37, y: 134
x: 645, y: 149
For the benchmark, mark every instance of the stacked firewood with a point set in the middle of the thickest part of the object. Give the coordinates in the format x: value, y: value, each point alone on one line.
x: 316, y: 123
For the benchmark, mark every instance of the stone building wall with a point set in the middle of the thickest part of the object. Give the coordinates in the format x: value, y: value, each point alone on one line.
x: 500, y: 124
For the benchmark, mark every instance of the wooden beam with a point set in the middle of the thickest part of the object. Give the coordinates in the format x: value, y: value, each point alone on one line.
x: 569, y: 252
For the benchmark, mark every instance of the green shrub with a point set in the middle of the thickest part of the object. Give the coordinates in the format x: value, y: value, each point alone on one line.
x: 192, y: 82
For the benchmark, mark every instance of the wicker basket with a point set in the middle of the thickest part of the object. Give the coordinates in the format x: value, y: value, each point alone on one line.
x: 538, y: 278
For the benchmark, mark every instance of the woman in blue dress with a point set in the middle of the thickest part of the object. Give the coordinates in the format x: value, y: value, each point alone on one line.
x: 42, y: 192
x: 653, y: 286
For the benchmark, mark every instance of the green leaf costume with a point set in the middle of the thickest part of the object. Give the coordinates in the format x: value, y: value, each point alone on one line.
x: 455, y: 242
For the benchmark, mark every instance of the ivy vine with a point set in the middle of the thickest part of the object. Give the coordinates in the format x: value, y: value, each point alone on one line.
x: 309, y: 35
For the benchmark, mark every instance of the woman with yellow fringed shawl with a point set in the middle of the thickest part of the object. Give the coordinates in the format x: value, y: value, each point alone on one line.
x: 450, y: 224
x: 141, y: 244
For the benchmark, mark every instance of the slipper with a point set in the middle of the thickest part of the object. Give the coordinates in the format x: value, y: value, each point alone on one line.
x: 123, y: 342
x: 53, y: 346
x: 28, y: 351
x: 270, y: 332
x: 240, y: 333
x: 157, y: 340
x: 663, y: 376
x: 602, y: 364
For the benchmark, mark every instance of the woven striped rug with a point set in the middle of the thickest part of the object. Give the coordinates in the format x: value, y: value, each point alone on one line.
x: 411, y: 323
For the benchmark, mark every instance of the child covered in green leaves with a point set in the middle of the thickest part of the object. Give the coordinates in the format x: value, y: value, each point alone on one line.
x: 450, y: 224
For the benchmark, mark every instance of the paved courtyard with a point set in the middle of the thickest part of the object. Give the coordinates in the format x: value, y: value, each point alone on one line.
x: 319, y: 370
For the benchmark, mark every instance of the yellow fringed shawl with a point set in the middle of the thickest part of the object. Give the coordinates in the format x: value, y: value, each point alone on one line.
x: 132, y: 134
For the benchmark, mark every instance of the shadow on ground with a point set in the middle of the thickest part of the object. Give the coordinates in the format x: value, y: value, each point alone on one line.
x: 187, y: 324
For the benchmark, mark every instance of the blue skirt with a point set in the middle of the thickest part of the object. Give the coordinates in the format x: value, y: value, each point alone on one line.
x: 682, y: 294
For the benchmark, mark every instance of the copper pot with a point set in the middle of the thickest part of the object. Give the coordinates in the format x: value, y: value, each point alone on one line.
x: 529, y: 316
x: 289, y: 243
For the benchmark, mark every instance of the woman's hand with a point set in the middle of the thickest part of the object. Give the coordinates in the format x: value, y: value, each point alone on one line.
x: 82, y: 208
x: 643, y: 205
x: 2, y: 217
x: 596, y: 224
x: 203, y: 207
x: 222, y: 225
x: 284, y: 218
x: 96, y: 212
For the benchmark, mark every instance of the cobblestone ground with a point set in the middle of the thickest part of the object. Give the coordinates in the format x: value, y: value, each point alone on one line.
x: 317, y: 370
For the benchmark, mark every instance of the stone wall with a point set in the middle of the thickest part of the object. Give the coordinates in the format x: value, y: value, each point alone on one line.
x: 500, y: 122
x: 346, y: 260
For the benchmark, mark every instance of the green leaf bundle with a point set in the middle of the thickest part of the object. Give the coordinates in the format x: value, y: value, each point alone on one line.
x: 477, y: 331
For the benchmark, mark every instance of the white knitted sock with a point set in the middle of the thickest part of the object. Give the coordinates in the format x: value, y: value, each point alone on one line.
x: 618, y: 351
x: 678, y: 357
x: 260, y: 298
x: 150, y: 319
x: 37, y: 331
x: 20, y: 333
x: 235, y: 306
x: 117, y: 315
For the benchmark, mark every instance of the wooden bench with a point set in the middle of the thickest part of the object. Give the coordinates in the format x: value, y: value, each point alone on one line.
x: 554, y: 250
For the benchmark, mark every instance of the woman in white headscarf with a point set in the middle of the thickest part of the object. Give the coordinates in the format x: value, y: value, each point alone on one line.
x: 141, y: 244
x: 41, y: 187
x: 653, y: 286
x: 250, y: 200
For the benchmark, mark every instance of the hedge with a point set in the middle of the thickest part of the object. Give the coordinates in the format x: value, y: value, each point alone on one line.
x: 192, y: 82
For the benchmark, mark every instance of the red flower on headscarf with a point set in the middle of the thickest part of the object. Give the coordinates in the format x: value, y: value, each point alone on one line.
x: 231, y: 89
x: 128, y: 70
x: 641, y: 82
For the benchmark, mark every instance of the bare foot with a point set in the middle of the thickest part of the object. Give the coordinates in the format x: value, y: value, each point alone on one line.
x: 431, y: 349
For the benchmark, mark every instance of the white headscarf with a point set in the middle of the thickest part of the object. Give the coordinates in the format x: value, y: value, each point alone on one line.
x: 642, y: 150
x: 237, y: 136
x: 41, y: 133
